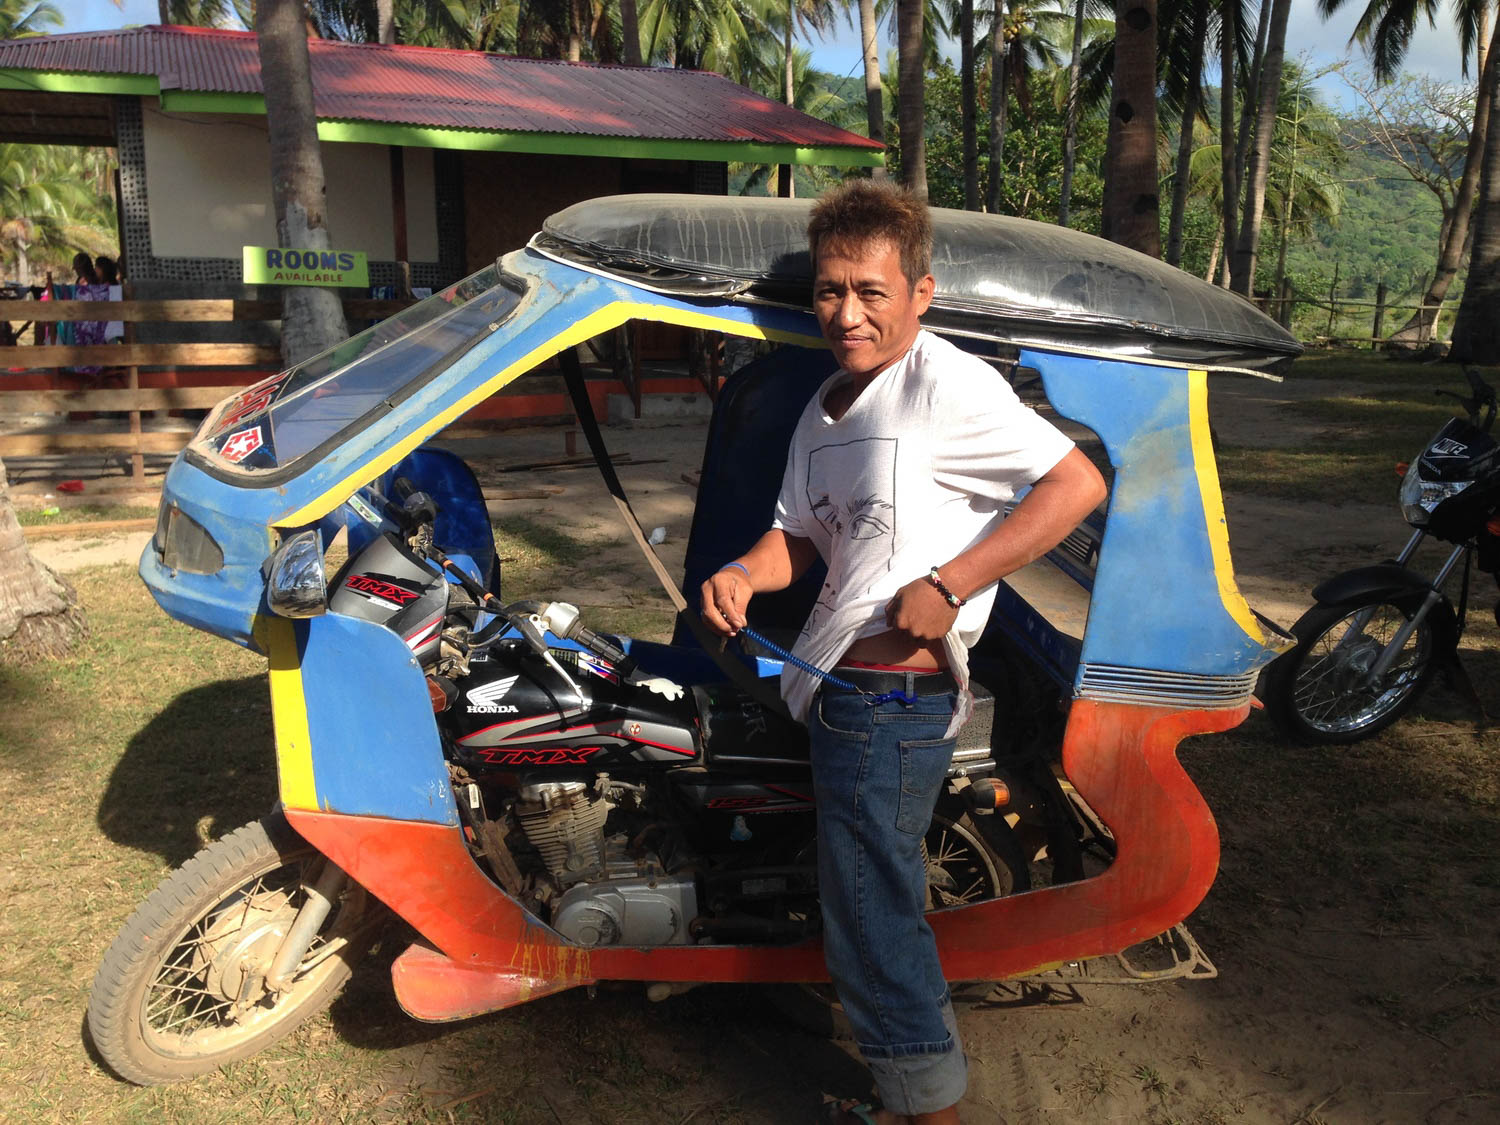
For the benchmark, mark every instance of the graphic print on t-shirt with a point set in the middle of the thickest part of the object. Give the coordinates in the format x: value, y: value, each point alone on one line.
x: 851, y: 489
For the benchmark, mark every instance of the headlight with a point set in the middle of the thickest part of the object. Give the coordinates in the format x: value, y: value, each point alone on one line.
x: 295, y: 584
x: 1419, y: 497
x: 182, y: 543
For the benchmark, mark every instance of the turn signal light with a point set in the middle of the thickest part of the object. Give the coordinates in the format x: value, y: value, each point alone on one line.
x: 990, y: 793
x: 441, y: 693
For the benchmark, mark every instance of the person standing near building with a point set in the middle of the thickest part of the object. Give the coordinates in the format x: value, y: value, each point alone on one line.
x: 897, y: 476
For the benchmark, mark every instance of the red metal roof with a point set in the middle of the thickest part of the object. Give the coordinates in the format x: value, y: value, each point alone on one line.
x: 446, y: 88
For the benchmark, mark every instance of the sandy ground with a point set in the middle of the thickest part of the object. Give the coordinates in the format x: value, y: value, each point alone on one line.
x: 1355, y: 948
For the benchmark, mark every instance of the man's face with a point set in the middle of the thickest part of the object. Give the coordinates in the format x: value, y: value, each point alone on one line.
x: 865, y: 307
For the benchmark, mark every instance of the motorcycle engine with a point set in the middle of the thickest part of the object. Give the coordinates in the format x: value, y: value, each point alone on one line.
x: 612, y: 898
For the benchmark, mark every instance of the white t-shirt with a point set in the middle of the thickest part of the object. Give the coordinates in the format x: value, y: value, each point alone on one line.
x: 917, y: 470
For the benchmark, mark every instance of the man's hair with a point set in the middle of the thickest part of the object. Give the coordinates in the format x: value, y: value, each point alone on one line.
x: 859, y: 212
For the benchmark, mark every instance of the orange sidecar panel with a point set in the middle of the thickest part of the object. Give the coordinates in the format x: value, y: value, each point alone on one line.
x: 1121, y: 757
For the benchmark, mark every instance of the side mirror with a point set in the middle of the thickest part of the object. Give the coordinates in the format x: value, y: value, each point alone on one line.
x: 296, y: 585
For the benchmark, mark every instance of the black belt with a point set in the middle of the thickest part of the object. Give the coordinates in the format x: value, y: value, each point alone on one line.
x: 939, y: 681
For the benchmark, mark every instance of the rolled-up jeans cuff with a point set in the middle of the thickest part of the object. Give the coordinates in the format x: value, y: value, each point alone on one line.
x: 924, y: 1078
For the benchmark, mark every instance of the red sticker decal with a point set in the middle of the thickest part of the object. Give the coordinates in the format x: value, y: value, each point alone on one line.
x: 252, y: 400
x: 241, y: 445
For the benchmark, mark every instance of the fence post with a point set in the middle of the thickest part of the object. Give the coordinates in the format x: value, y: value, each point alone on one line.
x: 1376, y: 342
x: 133, y: 381
x: 1332, y: 290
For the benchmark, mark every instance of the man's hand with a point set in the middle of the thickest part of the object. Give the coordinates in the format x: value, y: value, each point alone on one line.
x: 725, y: 596
x: 919, y: 611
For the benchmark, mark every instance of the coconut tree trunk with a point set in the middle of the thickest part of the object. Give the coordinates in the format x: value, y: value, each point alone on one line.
x: 789, y: 86
x: 1190, y: 105
x: 1228, y: 172
x: 1070, y: 126
x: 874, y: 92
x: 630, y: 32
x: 576, y: 21
x: 911, y: 110
x: 999, y: 103
x: 970, y: 108
x: 1418, y: 330
x: 1247, y: 245
x: 1132, y: 203
x: 1252, y: 94
x: 163, y: 11
x: 312, y: 319
x: 1218, y: 248
x: 385, y: 20
x: 1476, y: 330
x: 39, y: 612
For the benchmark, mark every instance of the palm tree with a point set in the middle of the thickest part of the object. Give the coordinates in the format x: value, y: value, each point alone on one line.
x: 1384, y: 29
x: 312, y: 317
x: 874, y: 94
x: 1132, y: 206
x: 909, y: 47
x: 1190, y: 101
x: 1257, y: 166
x: 1476, y: 330
x: 20, y: 19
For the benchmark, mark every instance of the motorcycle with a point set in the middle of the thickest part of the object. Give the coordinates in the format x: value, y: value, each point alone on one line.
x: 548, y: 807
x: 1372, y: 643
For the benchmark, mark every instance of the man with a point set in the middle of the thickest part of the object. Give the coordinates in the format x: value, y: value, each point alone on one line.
x: 897, y: 476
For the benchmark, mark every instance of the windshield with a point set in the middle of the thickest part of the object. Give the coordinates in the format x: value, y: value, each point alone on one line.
x: 271, y: 424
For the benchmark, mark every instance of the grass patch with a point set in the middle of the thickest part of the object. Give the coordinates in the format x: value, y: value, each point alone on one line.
x: 537, y: 561
x: 1361, y: 436
x: 87, y: 513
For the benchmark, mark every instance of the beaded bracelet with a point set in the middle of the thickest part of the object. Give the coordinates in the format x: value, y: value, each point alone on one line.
x: 948, y: 595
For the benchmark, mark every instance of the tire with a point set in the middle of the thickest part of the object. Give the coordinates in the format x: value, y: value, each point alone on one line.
x: 162, y: 1004
x: 969, y: 859
x: 1318, y: 692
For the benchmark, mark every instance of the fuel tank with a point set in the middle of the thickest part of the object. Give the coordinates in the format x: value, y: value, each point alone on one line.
x: 514, y: 710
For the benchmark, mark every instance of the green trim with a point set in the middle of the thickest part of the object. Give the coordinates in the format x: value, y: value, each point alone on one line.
x: 67, y: 82
x: 201, y: 101
x: 578, y: 144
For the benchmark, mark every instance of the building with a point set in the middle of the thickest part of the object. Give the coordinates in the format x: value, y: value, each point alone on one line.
x: 440, y: 158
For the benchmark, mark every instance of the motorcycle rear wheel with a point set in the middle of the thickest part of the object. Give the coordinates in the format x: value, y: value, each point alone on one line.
x: 1318, y: 692
x: 178, y: 995
x: 969, y: 859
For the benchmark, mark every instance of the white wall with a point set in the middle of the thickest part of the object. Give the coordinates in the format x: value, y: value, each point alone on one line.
x: 208, y: 182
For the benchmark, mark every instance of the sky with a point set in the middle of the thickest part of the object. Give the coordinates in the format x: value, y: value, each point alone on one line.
x: 1433, y: 52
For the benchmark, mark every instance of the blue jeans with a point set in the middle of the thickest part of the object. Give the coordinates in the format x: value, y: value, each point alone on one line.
x: 877, y: 773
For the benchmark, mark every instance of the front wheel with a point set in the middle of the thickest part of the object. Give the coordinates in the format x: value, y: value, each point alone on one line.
x: 1322, y: 690
x: 181, y: 991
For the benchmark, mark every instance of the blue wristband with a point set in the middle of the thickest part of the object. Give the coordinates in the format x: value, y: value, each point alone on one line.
x: 737, y: 566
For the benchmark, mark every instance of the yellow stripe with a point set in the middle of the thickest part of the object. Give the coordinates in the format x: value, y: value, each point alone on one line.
x: 590, y: 326
x: 289, y: 714
x: 1213, y: 507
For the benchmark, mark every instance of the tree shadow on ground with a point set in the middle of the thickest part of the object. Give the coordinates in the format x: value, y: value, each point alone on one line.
x: 200, y: 768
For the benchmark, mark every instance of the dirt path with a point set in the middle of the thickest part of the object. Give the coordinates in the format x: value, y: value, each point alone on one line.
x: 1352, y: 920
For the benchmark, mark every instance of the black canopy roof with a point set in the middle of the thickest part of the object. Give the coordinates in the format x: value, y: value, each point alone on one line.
x: 1022, y: 281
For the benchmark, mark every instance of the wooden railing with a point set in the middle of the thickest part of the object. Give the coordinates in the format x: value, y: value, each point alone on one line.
x: 150, y: 373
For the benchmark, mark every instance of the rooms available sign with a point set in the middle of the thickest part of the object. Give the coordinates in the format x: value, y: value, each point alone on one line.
x: 276, y: 265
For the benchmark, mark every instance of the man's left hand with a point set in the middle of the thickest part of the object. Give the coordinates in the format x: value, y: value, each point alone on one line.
x: 919, y: 611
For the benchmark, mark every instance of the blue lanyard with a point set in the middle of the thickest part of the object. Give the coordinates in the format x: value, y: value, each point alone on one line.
x: 904, y: 698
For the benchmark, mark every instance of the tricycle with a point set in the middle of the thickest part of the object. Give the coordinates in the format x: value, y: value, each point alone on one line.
x: 549, y: 807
